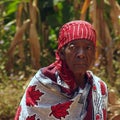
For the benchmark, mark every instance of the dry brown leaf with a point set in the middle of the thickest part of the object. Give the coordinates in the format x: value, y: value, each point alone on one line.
x: 18, y: 26
x: 85, y: 6
x: 18, y: 16
x: 33, y: 36
x: 16, y: 41
x: 113, y: 108
x: 34, y: 47
x: 33, y: 11
x: 116, y: 117
x: 17, y: 38
x: 112, y: 98
x: 84, y: 9
x: 115, y: 13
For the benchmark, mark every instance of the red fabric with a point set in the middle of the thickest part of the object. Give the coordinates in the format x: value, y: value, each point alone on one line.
x: 32, y: 96
x: 60, y: 110
x: 104, y: 114
x: 18, y: 113
x: 89, y: 98
x: 103, y: 88
x: 31, y: 117
x: 77, y: 29
x: 89, y: 107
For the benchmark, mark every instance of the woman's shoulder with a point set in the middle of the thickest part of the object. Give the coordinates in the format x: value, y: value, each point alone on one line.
x: 99, y: 83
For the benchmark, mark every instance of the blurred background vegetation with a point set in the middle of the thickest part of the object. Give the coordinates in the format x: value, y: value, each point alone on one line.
x: 28, y: 40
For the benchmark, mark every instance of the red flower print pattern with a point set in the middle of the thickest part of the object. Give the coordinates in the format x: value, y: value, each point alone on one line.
x: 94, y: 88
x: 31, y: 117
x: 97, y: 117
x: 18, y: 113
x: 60, y: 110
x: 103, y: 89
x: 32, y: 96
x: 104, y: 114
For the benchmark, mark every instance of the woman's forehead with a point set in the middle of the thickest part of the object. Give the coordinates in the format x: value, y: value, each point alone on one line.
x: 79, y: 41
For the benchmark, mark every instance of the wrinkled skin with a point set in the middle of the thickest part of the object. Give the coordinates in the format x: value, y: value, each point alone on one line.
x: 79, y: 55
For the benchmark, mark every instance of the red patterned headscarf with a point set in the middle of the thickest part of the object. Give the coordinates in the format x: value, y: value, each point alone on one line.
x: 77, y: 29
x: 70, y: 31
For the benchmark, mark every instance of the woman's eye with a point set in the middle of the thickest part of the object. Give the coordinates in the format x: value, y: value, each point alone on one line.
x: 89, y: 47
x: 72, y: 46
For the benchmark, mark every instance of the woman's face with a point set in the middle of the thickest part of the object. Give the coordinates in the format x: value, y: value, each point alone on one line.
x: 79, y: 55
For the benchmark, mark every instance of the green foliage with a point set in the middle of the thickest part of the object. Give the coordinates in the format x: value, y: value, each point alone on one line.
x: 54, y: 13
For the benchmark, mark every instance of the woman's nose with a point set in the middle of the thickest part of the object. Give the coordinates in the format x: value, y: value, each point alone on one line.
x: 81, y: 53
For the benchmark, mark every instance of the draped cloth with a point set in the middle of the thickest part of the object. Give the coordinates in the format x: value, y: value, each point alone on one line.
x: 53, y: 94
x: 44, y: 100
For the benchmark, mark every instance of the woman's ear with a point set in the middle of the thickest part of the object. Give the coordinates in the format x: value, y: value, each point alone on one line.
x: 61, y: 54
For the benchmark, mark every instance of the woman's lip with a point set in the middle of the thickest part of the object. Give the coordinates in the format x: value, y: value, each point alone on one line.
x: 80, y: 64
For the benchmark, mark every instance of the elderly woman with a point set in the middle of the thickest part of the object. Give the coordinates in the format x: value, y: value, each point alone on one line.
x: 66, y: 89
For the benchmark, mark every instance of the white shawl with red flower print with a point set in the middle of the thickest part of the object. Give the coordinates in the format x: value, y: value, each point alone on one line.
x: 44, y: 101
